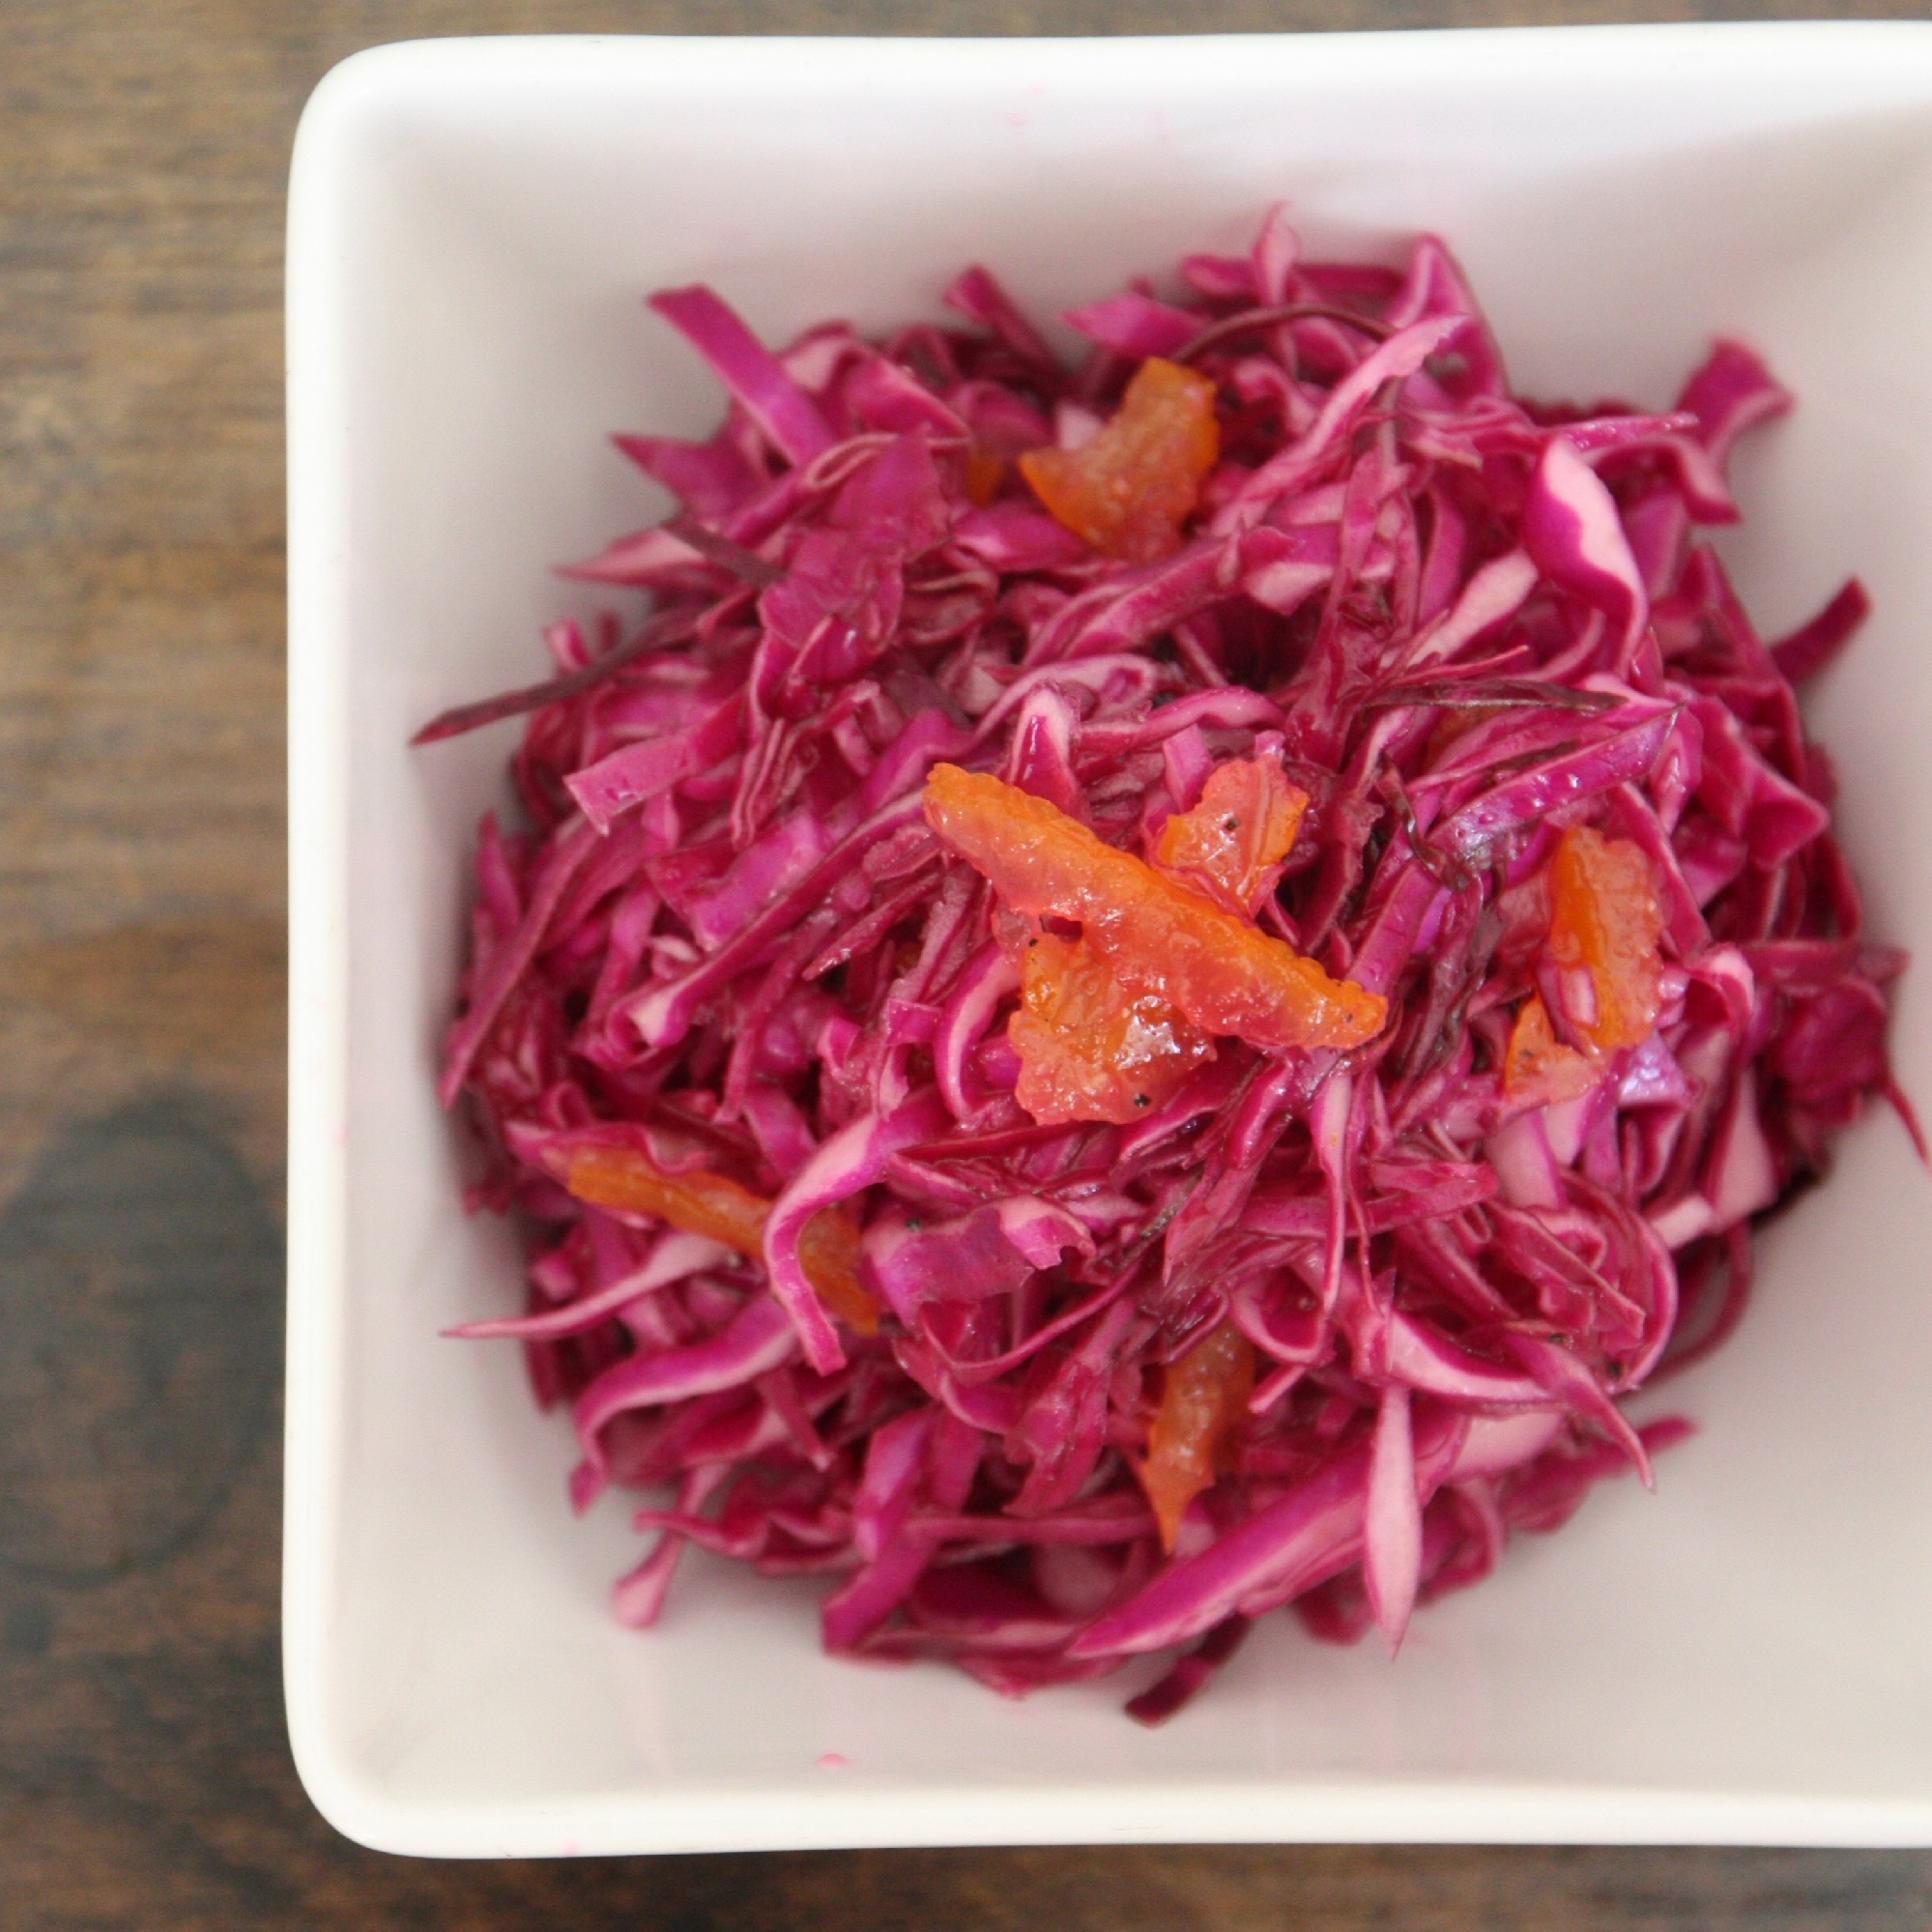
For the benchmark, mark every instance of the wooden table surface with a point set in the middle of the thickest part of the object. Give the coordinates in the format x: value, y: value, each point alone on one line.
x: 144, y: 1774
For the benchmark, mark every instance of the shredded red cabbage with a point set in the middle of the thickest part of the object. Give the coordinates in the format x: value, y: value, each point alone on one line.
x: 728, y: 944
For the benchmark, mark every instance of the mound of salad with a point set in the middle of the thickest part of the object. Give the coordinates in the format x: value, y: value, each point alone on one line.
x: 1146, y: 990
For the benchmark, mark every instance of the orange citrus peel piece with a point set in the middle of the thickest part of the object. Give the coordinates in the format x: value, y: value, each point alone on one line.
x: 1129, y: 490
x: 1089, y: 1048
x: 1538, y: 1069
x: 985, y: 472
x: 1159, y: 938
x: 1606, y: 921
x: 1232, y: 844
x: 1203, y: 1401
x: 718, y: 1208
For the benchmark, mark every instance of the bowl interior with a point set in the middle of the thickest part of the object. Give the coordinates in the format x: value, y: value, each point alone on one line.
x: 1738, y: 1655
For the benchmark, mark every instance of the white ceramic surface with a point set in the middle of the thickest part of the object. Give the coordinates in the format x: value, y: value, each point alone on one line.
x: 1744, y: 1656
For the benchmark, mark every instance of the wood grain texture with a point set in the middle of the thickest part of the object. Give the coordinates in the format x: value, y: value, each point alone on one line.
x: 144, y: 1774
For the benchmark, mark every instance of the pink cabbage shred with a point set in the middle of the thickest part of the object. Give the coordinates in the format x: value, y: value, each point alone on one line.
x: 725, y: 935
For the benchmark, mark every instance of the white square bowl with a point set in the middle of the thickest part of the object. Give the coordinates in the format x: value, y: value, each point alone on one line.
x: 1745, y: 1657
